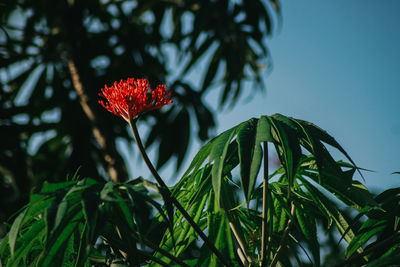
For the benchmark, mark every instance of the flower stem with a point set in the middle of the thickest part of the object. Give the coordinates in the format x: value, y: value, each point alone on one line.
x: 160, y: 181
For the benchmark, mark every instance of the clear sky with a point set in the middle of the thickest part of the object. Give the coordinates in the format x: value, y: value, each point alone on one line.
x: 336, y: 64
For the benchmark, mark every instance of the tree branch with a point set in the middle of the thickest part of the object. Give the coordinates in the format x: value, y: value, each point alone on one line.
x: 83, y: 100
x: 160, y: 181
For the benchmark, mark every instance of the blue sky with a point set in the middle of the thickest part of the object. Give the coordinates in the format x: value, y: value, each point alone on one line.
x: 336, y: 64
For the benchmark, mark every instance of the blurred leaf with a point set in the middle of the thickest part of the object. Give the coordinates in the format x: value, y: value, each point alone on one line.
x: 38, y: 98
x: 367, y: 230
x: 13, y: 234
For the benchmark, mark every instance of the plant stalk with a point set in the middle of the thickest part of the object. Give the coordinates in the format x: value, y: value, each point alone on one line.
x: 160, y: 181
x: 264, y: 232
x: 244, y: 257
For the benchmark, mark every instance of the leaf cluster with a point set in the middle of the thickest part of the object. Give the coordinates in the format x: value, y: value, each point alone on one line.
x: 134, y: 223
x: 84, y: 222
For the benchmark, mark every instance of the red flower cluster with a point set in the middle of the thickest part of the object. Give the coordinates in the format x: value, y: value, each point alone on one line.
x: 131, y: 98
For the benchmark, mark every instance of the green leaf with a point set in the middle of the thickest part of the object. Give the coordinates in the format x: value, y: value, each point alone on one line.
x: 392, y: 259
x: 61, y: 211
x: 184, y: 234
x: 248, y: 156
x: 13, y: 234
x: 319, y: 134
x: 189, y: 235
x: 199, y: 159
x: 282, y: 212
x: 351, y: 192
x: 27, y: 241
x: 388, y: 195
x: 218, y: 154
x: 90, y: 201
x: 308, y: 226
x: 287, y: 146
x: 107, y: 192
x: 223, y: 241
x: 263, y: 134
x: 330, y: 210
x: 60, y: 243
x: 53, y: 187
x: 367, y: 230
x: 264, y: 130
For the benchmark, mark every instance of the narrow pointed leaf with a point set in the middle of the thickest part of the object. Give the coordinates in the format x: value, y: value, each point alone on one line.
x: 248, y: 156
x: 13, y: 234
x: 308, y: 226
x: 218, y: 154
x: 368, y: 230
x: 288, y: 147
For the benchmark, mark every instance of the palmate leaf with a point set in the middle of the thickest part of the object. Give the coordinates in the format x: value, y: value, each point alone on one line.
x: 62, y: 222
x: 330, y: 210
x: 309, y: 177
x: 288, y: 135
x: 193, y: 195
x: 220, y: 233
x: 286, y: 141
x: 338, y: 182
x: 184, y: 233
x: 75, y: 214
x: 196, y: 194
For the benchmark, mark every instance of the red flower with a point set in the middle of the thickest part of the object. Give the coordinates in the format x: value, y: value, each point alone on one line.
x: 131, y: 98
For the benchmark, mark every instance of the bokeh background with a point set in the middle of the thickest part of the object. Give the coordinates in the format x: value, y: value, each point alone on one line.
x: 333, y: 63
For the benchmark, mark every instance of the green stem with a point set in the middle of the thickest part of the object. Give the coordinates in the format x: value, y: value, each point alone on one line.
x: 264, y: 209
x: 246, y: 260
x: 160, y: 181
